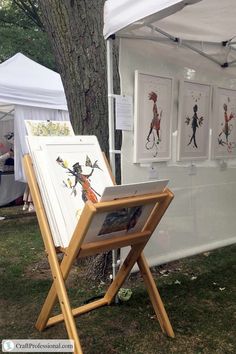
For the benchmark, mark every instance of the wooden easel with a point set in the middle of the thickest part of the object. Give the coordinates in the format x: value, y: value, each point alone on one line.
x: 77, y: 247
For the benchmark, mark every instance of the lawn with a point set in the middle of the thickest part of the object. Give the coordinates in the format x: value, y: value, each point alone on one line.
x: 199, y: 294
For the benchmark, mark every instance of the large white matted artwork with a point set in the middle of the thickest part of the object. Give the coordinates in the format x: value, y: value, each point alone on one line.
x: 224, y: 123
x: 193, y: 120
x: 71, y: 171
x: 48, y: 128
x: 153, y: 116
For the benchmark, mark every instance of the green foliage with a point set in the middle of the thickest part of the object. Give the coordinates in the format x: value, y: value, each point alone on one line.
x: 21, y: 31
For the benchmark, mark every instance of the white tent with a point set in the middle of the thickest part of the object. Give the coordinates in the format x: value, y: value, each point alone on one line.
x: 185, y: 40
x: 27, y: 83
x: 29, y: 91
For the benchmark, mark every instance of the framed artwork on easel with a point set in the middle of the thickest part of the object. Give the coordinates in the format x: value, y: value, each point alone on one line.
x: 70, y: 171
x: 48, y: 128
x: 224, y: 123
x: 193, y: 120
x: 152, y: 117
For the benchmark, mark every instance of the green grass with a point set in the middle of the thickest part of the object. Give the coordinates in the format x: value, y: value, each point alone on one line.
x: 199, y: 294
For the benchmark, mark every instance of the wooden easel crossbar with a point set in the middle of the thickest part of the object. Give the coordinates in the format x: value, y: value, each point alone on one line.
x: 78, y: 248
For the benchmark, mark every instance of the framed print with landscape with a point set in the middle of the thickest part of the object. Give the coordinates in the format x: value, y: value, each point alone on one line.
x: 224, y: 123
x: 152, y: 117
x: 120, y: 221
x: 193, y: 120
x: 48, y: 128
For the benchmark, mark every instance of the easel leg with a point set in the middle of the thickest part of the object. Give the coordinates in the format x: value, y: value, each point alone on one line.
x: 124, y: 271
x: 155, y: 296
x: 58, y: 280
x: 65, y: 267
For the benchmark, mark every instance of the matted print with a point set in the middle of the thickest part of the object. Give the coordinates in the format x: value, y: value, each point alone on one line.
x: 153, y: 115
x: 72, y: 170
x: 224, y: 123
x: 193, y: 120
x: 48, y: 128
x: 119, y: 222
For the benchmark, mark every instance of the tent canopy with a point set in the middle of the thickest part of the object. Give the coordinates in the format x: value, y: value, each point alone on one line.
x: 189, y: 23
x: 25, y: 82
x: 203, y: 20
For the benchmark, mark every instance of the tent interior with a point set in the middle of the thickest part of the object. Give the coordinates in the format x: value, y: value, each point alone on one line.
x: 28, y: 91
x: 185, y: 41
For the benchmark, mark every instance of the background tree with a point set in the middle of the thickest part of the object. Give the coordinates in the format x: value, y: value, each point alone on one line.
x: 75, y: 31
x: 21, y: 30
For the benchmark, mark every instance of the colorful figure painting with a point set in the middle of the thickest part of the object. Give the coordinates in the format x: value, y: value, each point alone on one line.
x: 193, y: 121
x: 80, y: 178
x: 224, y: 124
x: 224, y: 136
x: 153, y: 115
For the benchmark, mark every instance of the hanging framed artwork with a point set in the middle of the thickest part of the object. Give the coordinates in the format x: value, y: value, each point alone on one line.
x: 152, y: 117
x: 71, y: 170
x: 193, y: 120
x: 48, y: 128
x: 224, y: 123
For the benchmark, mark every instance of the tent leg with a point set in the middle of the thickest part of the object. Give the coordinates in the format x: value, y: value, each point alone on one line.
x: 111, y: 128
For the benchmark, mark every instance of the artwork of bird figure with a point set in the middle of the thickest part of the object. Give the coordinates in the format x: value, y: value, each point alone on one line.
x: 87, y: 191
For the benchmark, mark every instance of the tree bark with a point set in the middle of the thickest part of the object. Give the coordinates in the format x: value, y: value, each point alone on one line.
x: 75, y: 31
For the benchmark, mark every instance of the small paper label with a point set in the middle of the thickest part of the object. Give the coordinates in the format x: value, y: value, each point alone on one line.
x: 192, y: 170
x: 152, y: 173
x: 223, y: 165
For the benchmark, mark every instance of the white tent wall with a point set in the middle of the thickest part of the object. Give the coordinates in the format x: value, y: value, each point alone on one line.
x: 6, y: 126
x: 23, y: 113
x: 202, y: 214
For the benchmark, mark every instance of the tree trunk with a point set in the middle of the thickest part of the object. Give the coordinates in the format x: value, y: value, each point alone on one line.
x: 75, y: 31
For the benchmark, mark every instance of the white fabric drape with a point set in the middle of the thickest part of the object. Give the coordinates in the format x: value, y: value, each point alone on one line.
x: 23, y: 113
x: 9, y: 189
x: 6, y: 126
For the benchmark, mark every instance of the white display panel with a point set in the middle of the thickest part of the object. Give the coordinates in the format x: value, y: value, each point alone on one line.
x: 202, y: 214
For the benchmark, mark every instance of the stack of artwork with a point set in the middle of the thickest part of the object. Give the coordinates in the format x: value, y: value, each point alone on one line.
x: 196, y: 117
x: 70, y: 171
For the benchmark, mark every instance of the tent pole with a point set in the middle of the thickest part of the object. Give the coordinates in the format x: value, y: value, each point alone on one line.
x: 111, y: 105
x: 110, y: 92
